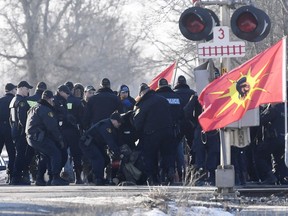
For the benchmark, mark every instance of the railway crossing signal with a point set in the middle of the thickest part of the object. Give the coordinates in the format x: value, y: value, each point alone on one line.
x: 248, y: 23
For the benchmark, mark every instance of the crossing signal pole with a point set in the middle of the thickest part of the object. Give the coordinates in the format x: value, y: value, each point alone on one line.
x: 247, y: 23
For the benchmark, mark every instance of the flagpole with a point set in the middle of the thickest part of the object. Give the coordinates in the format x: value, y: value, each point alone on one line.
x: 175, y: 69
x: 284, y: 90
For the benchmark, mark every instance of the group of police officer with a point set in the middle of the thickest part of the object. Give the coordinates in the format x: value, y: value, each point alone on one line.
x: 95, y: 124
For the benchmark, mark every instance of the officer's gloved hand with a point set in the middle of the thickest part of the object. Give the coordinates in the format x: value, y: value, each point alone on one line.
x: 115, y: 153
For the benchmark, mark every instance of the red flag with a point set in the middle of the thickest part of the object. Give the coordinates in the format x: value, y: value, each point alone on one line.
x: 258, y: 81
x: 167, y: 74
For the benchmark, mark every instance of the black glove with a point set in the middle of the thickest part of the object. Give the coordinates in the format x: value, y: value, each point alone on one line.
x: 116, y: 154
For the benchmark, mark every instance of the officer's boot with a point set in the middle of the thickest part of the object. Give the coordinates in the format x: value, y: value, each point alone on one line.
x: 243, y: 178
x: 211, y: 177
x: 78, y: 179
x: 199, y: 177
x: 237, y: 179
x: 49, y: 180
x: 58, y: 181
x: 8, y: 179
x: 180, y: 175
x: 40, y: 180
x: 98, y: 181
x: 26, y: 177
x: 170, y: 176
x: 270, y: 179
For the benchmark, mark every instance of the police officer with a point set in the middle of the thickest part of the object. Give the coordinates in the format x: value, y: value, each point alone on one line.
x: 32, y: 101
x: 71, y: 132
x: 70, y: 86
x: 95, y: 142
x: 176, y: 108
x: 89, y: 91
x: 153, y: 122
x: 5, y: 129
x: 101, y: 105
x: 18, y: 117
x: 206, y: 145
x: 183, y: 90
x: 43, y: 134
x: 187, y: 128
x: 273, y: 120
x: 61, y: 110
x: 40, y: 87
x: 78, y: 91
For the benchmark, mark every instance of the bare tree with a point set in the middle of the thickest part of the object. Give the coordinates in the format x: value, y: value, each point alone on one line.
x: 80, y: 40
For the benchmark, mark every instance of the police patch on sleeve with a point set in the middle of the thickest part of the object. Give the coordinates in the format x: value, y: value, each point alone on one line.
x: 51, y: 114
x: 109, y: 130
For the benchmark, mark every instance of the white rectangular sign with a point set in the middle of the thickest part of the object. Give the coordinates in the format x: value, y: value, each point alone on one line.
x: 221, y: 46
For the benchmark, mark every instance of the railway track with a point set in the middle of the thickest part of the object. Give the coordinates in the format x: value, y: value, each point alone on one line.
x: 262, y: 190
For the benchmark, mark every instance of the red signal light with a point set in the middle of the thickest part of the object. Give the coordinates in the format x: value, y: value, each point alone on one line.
x: 194, y: 24
x: 197, y: 23
x: 247, y: 22
x: 250, y: 23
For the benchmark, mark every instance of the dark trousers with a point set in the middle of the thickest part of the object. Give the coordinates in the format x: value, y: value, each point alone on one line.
x: 72, y: 137
x: 24, y: 155
x: 264, y: 150
x: 48, y: 148
x: 206, y: 148
x: 161, y: 141
x: 5, y: 138
x: 97, y: 157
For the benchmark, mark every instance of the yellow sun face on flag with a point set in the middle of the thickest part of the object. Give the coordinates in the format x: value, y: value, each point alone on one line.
x: 241, y: 90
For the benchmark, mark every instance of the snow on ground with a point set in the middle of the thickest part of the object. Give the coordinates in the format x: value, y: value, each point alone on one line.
x: 195, y: 211
x: 172, y: 208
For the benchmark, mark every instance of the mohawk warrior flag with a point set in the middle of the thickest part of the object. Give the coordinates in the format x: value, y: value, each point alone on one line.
x: 167, y: 74
x: 258, y: 81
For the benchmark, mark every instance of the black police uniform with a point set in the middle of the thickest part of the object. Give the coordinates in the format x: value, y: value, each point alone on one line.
x: 101, y: 105
x: 43, y: 134
x: 61, y: 112
x: 273, y: 120
x: 94, y: 146
x: 185, y: 93
x: 32, y: 101
x: 127, y: 132
x: 176, y: 108
x: 206, y: 146
x: 153, y: 122
x: 71, y: 133
x: 5, y: 131
x: 24, y: 152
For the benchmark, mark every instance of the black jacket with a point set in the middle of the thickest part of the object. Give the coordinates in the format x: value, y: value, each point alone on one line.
x: 32, y: 100
x: 41, y: 117
x: 18, y: 114
x: 104, y: 134
x: 184, y: 91
x: 4, y: 107
x: 75, y: 110
x: 100, y: 106
x: 175, y: 102
x: 152, y: 112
